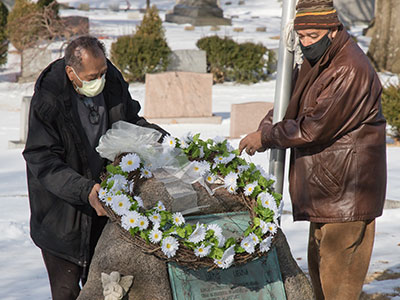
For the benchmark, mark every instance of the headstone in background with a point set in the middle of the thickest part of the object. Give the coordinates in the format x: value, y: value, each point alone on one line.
x: 197, y: 13
x: 188, y: 61
x: 245, y: 117
x: 23, y: 124
x: 35, y: 60
x: 179, y: 97
x: 76, y: 25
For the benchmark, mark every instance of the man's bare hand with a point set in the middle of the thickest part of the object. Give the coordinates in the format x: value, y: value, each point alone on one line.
x: 95, y: 201
x: 251, y: 143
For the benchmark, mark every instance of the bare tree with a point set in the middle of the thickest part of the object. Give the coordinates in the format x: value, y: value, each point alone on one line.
x: 384, y: 50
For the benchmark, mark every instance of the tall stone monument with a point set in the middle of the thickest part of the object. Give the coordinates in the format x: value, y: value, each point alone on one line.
x: 197, y: 13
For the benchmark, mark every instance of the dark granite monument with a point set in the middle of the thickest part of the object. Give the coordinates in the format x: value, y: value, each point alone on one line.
x: 197, y: 13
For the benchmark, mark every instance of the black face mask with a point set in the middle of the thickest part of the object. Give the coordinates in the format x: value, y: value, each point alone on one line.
x: 315, y: 51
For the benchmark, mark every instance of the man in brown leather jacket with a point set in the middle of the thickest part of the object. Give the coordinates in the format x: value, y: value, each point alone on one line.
x: 336, y: 131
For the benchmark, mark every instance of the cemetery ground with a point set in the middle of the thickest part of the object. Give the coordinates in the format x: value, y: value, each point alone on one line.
x: 23, y: 275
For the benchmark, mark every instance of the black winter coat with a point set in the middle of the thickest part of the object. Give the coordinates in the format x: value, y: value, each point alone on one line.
x: 57, y: 151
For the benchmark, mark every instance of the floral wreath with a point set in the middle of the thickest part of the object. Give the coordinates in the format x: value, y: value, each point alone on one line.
x: 218, y: 163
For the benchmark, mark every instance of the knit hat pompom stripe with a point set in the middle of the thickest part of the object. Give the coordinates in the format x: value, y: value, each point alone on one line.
x: 318, y: 14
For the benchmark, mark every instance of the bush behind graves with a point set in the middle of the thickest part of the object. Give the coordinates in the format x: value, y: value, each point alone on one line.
x: 144, y: 52
x: 231, y: 61
x: 3, y: 35
x: 391, y: 108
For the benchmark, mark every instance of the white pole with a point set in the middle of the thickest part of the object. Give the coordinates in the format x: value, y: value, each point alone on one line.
x: 282, y: 90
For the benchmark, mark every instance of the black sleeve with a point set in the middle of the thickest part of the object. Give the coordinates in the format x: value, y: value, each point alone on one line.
x: 44, y: 157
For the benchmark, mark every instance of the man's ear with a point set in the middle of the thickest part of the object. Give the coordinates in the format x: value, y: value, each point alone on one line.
x: 69, y: 72
x: 334, y: 32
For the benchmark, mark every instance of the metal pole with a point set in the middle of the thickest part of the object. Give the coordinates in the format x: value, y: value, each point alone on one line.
x: 282, y: 91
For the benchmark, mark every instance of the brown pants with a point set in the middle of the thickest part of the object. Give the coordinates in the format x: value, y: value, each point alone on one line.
x: 338, y: 258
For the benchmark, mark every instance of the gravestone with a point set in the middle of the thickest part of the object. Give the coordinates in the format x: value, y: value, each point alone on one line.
x: 197, y: 13
x: 355, y: 12
x: 23, y: 124
x: 245, y: 117
x: 179, y: 97
x: 188, y: 61
x: 76, y: 25
x: 115, y: 252
x: 35, y: 60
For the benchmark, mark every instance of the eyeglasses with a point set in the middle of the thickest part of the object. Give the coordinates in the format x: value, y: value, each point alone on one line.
x: 94, y: 116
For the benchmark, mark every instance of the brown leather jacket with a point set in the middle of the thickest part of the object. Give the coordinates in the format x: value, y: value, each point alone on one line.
x: 336, y: 131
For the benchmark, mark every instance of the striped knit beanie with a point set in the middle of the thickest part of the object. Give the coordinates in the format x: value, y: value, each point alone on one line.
x: 319, y: 14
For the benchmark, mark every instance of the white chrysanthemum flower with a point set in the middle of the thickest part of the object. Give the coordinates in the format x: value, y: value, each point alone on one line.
x: 216, y: 228
x: 130, y: 162
x: 160, y: 206
x: 169, y: 142
x: 210, y: 178
x: 102, y: 194
x: 268, y: 201
x: 218, y: 139
x: 219, y: 159
x: 198, y: 235
x: 230, y: 180
x: 228, y: 159
x: 121, y: 204
x: 155, y: 235
x: 139, y: 201
x: 249, y: 189
x: 120, y: 182
x: 130, y: 219
x: 144, y: 172
x: 232, y: 189
x: 200, y: 167
x: 254, y: 238
x: 184, y: 144
x: 227, y: 258
x: 143, y: 223
x: 264, y: 227
x: 272, y: 228
x: 169, y: 246
x: 248, y: 244
x: 243, y: 168
x: 229, y: 147
x: 202, y: 250
x: 155, y: 218
x: 265, y: 244
x: 178, y: 219
x: 108, y: 199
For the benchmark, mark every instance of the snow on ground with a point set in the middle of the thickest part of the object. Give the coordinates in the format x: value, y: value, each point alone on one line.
x: 23, y: 274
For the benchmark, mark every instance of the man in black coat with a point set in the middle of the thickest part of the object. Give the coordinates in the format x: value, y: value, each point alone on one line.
x: 76, y: 99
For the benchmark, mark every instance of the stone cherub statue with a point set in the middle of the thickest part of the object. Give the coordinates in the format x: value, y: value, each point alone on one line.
x: 115, y: 287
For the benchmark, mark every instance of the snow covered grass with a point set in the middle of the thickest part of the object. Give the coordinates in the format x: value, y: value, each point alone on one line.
x: 23, y: 274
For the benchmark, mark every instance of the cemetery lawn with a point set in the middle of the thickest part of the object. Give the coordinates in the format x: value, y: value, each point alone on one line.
x: 23, y: 275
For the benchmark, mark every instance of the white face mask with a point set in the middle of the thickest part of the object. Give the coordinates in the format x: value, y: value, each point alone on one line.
x: 91, y: 88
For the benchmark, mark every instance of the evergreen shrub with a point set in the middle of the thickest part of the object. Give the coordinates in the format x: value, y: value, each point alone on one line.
x: 3, y: 35
x: 391, y: 108
x: 144, y: 52
x: 24, y: 24
x: 231, y: 61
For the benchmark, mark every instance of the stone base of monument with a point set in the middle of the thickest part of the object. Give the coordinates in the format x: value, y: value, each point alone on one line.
x: 197, y: 15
